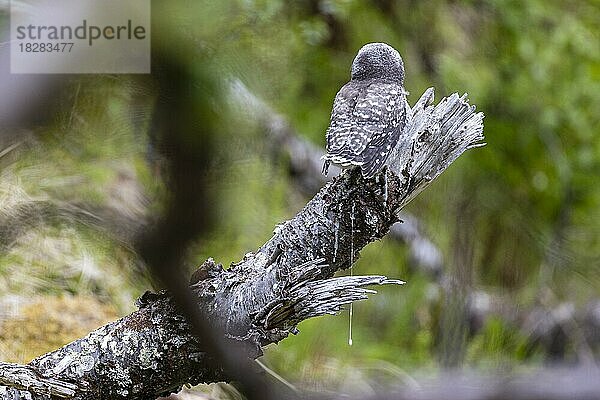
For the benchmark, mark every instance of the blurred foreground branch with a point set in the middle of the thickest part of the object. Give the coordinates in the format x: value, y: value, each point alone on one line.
x: 549, y: 384
x: 261, y: 299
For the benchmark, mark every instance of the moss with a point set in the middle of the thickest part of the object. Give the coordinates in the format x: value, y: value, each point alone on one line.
x: 49, y: 323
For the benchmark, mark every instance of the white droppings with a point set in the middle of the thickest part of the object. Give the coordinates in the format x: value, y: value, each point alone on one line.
x: 351, y: 311
x: 336, y: 239
x: 385, y: 189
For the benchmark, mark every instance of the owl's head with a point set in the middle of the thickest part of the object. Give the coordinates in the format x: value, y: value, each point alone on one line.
x: 378, y: 60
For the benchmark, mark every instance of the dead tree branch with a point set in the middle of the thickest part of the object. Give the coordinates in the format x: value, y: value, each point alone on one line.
x: 305, y: 164
x: 261, y: 299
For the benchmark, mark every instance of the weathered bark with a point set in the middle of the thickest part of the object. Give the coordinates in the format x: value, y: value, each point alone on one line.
x: 261, y: 299
x: 304, y: 162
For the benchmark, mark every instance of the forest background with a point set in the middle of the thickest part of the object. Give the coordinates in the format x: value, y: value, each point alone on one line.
x: 514, y: 282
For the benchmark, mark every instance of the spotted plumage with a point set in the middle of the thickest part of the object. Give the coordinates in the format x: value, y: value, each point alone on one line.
x: 369, y: 113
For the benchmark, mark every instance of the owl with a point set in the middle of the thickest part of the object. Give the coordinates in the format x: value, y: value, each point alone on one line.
x: 369, y: 113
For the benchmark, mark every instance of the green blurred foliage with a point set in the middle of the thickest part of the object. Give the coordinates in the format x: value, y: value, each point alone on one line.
x: 520, y: 217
